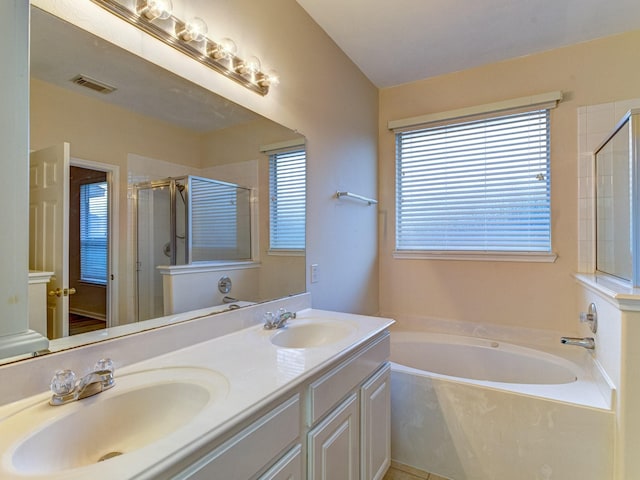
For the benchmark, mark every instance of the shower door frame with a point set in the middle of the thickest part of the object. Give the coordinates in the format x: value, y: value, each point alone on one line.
x: 171, y: 184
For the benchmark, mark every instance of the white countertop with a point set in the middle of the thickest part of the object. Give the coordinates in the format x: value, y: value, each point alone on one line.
x: 257, y: 373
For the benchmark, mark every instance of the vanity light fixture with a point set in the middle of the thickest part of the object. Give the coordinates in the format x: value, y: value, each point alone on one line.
x: 190, y: 37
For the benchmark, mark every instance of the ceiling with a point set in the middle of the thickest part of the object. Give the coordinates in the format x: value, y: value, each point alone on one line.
x: 400, y: 41
x: 60, y: 51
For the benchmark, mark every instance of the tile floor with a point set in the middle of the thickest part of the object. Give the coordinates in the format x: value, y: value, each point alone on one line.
x: 398, y: 471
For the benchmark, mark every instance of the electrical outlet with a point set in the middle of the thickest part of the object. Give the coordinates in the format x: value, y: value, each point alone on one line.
x: 314, y: 273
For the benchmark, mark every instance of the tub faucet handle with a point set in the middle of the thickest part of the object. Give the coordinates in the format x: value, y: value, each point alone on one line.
x: 590, y: 317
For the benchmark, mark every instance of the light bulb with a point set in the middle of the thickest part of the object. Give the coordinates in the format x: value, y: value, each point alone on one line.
x: 156, y: 9
x: 194, y: 30
x: 249, y: 67
x: 269, y: 79
x: 225, y: 48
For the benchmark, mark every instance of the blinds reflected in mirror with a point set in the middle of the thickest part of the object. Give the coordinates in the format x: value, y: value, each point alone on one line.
x: 94, y: 231
x: 220, y: 220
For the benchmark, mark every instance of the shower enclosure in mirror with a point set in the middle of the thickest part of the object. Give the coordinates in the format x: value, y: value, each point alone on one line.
x: 617, y: 201
x: 185, y: 220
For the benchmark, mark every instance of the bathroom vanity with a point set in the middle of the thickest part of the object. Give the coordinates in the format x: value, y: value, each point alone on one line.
x: 310, y: 400
x: 328, y: 420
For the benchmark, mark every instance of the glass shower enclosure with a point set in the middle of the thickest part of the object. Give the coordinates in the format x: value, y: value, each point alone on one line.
x: 182, y: 221
x: 618, y: 201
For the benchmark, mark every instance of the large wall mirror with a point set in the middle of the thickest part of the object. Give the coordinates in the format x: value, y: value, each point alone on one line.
x: 132, y: 141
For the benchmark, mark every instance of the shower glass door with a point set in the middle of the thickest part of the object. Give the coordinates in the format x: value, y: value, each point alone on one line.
x: 155, y: 244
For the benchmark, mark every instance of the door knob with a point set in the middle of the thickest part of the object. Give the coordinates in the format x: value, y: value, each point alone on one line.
x: 62, y: 292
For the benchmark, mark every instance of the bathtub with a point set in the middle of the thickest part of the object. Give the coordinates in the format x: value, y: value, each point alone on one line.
x: 467, y: 408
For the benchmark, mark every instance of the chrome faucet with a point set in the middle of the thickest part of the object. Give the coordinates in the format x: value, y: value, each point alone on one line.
x: 66, y: 388
x: 585, y: 342
x: 277, y: 320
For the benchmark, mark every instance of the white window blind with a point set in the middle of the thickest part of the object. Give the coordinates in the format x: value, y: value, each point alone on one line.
x: 476, y: 186
x: 94, y: 229
x: 287, y: 193
x: 220, y: 221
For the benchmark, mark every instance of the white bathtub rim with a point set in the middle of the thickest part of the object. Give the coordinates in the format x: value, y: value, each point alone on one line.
x: 576, y: 366
x: 586, y: 391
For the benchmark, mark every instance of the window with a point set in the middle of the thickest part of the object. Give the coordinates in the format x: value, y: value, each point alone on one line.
x: 475, y: 186
x: 287, y: 194
x: 93, y: 232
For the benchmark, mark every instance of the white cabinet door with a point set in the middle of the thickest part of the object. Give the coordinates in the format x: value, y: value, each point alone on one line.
x: 375, y: 412
x: 334, y: 444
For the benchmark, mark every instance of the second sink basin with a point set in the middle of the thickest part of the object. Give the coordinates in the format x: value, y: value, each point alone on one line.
x: 311, y: 333
x: 143, y: 407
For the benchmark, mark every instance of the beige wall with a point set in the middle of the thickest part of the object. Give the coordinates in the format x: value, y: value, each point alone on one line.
x: 516, y: 294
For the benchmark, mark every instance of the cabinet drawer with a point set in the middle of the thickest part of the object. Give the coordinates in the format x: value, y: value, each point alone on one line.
x: 255, y: 447
x: 288, y: 467
x: 329, y: 389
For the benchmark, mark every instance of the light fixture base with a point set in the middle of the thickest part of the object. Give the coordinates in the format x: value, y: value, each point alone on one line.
x: 192, y: 49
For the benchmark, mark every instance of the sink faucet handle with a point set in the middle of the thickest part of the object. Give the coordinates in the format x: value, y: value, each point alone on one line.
x: 104, y: 364
x: 269, y: 319
x: 284, y: 313
x: 63, y: 382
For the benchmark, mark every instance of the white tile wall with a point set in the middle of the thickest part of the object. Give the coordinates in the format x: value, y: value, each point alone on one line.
x: 595, y: 123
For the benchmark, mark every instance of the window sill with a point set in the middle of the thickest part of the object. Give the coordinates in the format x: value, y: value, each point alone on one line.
x: 529, y: 257
x: 623, y: 295
x: 286, y: 253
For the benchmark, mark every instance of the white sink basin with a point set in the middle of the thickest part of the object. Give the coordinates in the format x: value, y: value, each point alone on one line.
x: 311, y: 333
x: 141, y: 408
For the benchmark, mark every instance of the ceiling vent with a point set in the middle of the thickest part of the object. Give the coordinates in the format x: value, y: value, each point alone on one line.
x: 89, y: 82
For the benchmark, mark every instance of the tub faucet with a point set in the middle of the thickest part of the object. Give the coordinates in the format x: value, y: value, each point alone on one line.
x: 277, y: 320
x: 586, y: 342
x: 66, y: 389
